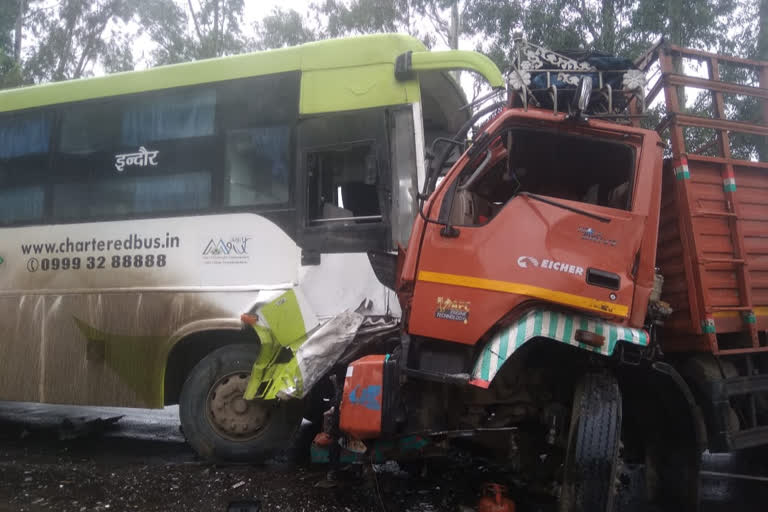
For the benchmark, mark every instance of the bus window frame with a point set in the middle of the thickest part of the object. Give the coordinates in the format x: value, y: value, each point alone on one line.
x: 338, y: 237
x: 218, y: 172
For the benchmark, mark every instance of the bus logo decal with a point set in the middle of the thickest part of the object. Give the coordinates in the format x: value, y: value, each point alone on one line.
x: 141, y: 159
x: 234, y: 250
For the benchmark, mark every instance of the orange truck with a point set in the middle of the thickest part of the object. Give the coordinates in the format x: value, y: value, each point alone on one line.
x: 579, y: 298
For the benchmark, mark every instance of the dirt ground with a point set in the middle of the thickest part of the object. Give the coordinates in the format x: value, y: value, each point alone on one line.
x: 45, y: 478
x: 51, y: 461
x: 142, y: 463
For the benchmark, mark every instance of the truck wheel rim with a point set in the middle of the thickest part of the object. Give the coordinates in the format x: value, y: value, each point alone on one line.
x: 230, y: 415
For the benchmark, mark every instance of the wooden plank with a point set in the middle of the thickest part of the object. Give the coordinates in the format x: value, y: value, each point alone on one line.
x: 684, y: 198
x: 719, y: 124
x: 739, y: 351
x: 742, y: 274
x: 721, y: 160
x: 716, y: 85
x: 702, y: 55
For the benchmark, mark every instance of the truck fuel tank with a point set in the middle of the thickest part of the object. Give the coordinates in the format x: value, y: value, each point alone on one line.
x: 369, y: 397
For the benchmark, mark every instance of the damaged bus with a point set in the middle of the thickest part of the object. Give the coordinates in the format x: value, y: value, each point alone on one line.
x: 142, y: 213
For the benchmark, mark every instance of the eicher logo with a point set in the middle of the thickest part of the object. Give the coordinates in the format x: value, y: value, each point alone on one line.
x: 524, y: 261
x: 557, y: 266
x: 236, y: 246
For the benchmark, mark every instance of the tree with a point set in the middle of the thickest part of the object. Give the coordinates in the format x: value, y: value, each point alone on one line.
x: 762, y: 54
x: 20, y: 8
x: 283, y: 28
x: 74, y: 35
x: 620, y: 27
x: 444, y: 18
x: 184, y: 30
x: 352, y: 17
x: 11, y: 13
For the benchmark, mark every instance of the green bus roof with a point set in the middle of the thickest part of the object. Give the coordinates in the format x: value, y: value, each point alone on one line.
x: 331, y: 54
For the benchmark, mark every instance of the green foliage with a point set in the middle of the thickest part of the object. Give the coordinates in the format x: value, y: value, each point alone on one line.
x: 372, y: 16
x: 10, y: 72
x: 621, y: 27
x: 186, y: 30
x: 8, y: 12
x: 283, y: 28
x: 74, y: 35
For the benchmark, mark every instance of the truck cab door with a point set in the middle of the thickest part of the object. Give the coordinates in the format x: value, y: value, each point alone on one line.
x: 532, y: 216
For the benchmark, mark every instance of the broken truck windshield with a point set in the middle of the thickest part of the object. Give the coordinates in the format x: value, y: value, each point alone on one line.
x: 540, y: 163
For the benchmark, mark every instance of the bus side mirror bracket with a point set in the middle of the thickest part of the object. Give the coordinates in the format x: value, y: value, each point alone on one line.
x: 409, y: 63
x: 403, y: 69
x: 449, y: 231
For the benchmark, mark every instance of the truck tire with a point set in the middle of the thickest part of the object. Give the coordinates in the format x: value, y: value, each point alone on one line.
x: 592, y: 454
x: 219, y: 424
x: 700, y: 371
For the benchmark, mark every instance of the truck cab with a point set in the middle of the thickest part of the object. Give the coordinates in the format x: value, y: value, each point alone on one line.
x: 543, y: 209
x: 529, y: 286
x: 536, y: 273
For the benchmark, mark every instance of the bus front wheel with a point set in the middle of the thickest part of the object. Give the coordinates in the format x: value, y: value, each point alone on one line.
x: 219, y: 424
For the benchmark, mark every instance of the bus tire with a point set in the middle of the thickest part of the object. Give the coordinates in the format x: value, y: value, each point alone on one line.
x: 219, y: 424
x: 592, y: 454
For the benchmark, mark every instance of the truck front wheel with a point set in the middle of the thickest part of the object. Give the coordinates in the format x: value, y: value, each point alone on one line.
x: 592, y: 454
x: 222, y: 426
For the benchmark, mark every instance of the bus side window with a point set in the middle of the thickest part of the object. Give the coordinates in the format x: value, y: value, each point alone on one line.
x: 24, y: 144
x: 346, y: 182
x: 257, y: 117
x: 258, y: 165
x: 142, y: 155
x: 343, y: 184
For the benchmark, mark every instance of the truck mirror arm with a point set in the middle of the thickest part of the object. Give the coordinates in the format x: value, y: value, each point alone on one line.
x: 434, y: 170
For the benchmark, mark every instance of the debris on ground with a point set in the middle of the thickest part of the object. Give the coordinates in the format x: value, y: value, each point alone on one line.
x: 75, y: 428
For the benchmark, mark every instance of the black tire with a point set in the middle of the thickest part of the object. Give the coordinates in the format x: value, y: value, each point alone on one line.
x: 700, y: 371
x: 318, y: 401
x: 592, y: 455
x: 283, y: 418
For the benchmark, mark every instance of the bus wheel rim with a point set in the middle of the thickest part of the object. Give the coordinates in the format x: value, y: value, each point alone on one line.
x: 230, y: 415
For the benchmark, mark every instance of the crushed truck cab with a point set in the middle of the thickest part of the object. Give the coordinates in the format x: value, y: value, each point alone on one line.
x: 497, y: 248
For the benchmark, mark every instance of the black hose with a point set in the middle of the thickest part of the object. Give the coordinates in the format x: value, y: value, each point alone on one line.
x: 434, y: 173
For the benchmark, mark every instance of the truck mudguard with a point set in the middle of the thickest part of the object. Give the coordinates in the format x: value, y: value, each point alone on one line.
x: 554, y: 325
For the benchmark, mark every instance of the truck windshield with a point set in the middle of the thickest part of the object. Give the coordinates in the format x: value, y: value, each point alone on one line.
x: 575, y: 168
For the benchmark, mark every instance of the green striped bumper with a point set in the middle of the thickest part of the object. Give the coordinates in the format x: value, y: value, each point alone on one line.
x: 561, y: 327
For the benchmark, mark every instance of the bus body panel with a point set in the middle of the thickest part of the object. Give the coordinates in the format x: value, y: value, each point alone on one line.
x: 100, y: 334
x: 323, y: 55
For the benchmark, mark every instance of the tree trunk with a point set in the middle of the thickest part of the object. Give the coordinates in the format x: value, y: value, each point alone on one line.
x: 455, y: 26
x: 608, y: 27
x: 762, y: 54
x: 216, y: 34
x: 18, y: 31
x: 675, y: 35
x: 454, y: 31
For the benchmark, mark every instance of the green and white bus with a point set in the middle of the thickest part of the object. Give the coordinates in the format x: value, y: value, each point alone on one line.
x: 142, y: 213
